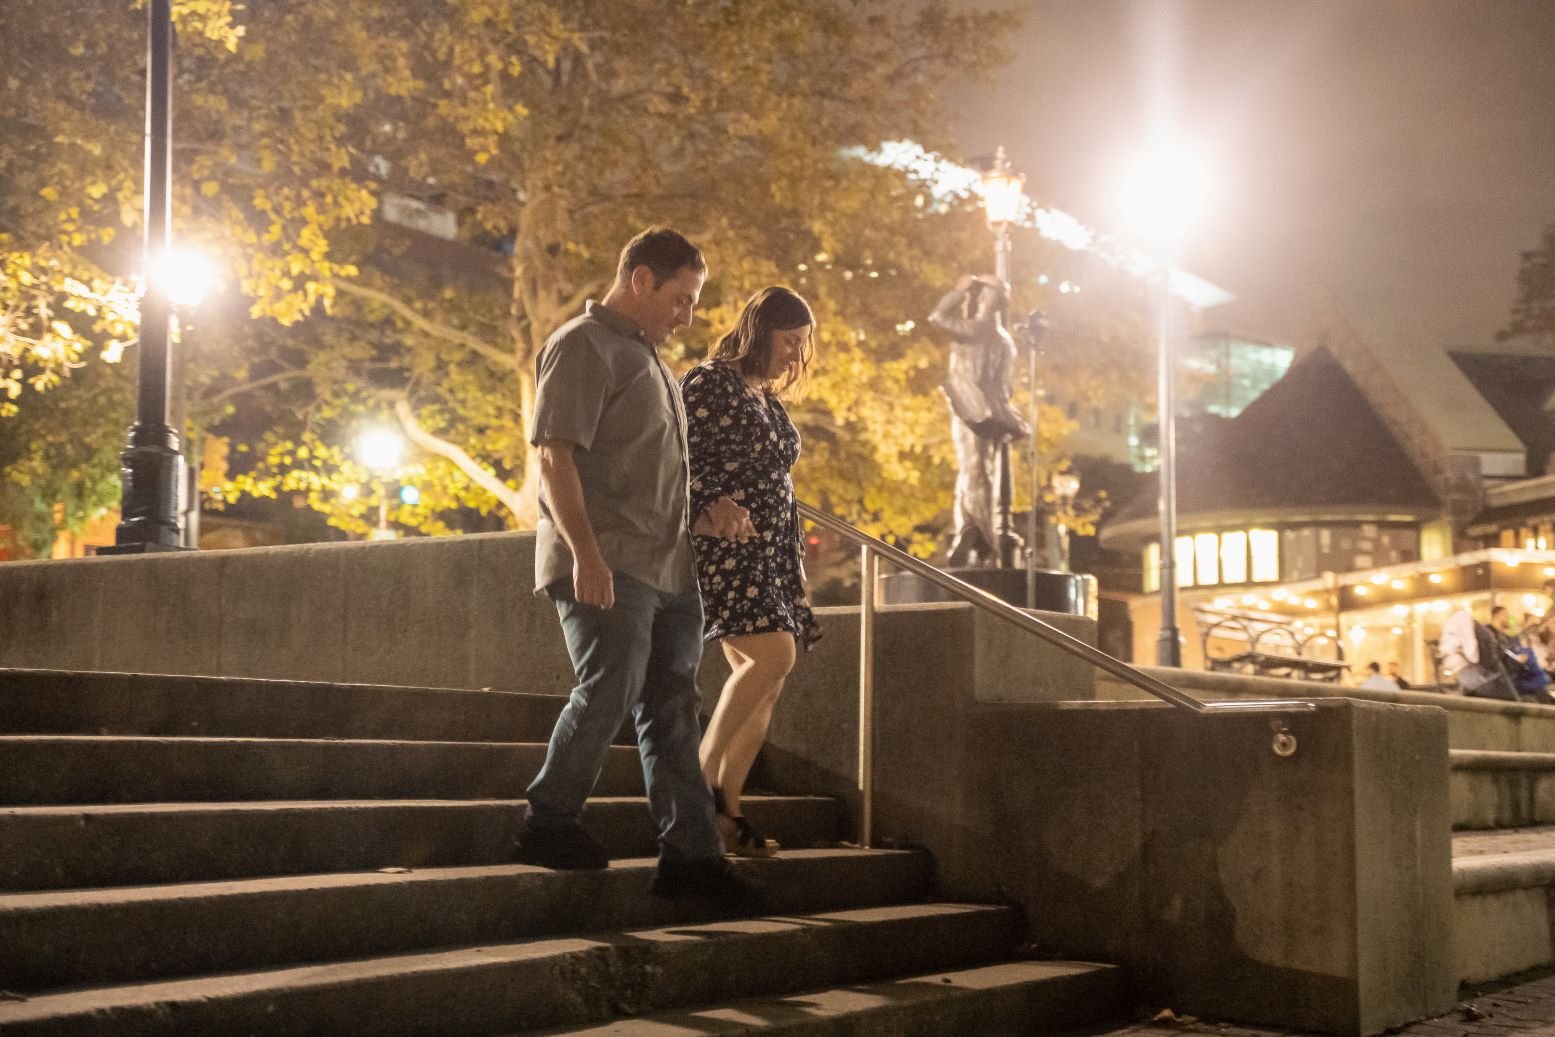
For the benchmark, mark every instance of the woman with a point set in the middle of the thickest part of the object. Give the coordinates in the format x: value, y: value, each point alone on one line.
x: 742, y: 446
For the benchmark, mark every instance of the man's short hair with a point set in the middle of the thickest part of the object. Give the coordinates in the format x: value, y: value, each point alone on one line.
x: 663, y: 251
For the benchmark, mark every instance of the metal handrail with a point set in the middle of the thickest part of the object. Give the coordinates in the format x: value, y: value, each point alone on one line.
x: 1074, y: 646
x: 872, y: 549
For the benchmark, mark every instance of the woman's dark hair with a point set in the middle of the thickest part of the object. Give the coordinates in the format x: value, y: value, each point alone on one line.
x: 664, y: 251
x: 750, y: 343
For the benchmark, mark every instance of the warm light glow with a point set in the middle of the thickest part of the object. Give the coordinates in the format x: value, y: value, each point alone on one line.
x: 1362, y: 590
x: 185, y: 275
x: 1206, y: 557
x: 1435, y: 577
x: 1379, y: 579
x: 1310, y: 603
x: 1066, y: 486
x: 1398, y: 585
x: 1233, y: 560
x: 1265, y: 549
x: 1401, y: 610
x: 380, y: 449
x: 1440, y: 606
x: 1397, y: 631
x: 349, y: 492
x: 1279, y: 594
x: 1003, y: 190
x: 1530, y: 601
x: 410, y: 495
x: 1163, y: 193
x: 1549, y: 570
x: 1183, y: 555
x: 1357, y: 634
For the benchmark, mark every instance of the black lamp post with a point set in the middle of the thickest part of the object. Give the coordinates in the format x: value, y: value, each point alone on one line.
x: 152, y: 466
x: 1002, y: 193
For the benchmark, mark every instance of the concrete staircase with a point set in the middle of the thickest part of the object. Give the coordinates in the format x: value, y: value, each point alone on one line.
x: 219, y: 855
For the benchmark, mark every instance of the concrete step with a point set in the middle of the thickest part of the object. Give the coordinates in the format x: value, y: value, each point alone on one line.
x: 77, y: 937
x: 1009, y: 999
x: 40, y: 770
x: 500, y: 987
x: 72, y: 702
x: 64, y: 847
x: 1504, y: 893
x: 1501, y: 789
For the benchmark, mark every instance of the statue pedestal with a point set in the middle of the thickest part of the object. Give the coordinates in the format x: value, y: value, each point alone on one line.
x: 1073, y: 594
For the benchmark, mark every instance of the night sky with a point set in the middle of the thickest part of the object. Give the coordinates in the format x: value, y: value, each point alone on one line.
x: 1393, y: 156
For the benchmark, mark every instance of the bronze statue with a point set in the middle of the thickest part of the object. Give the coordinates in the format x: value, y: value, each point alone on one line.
x: 982, y: 356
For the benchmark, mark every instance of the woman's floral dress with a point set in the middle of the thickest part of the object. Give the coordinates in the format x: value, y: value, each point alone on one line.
x: 744, y: 450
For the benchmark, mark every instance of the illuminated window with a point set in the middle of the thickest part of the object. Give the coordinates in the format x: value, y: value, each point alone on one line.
x: 1184, y: 560
x: 1152, y: 568
x: 1264, y: 545
x: 1206, y: 558
x: 1233, y: 557
x: 1508, y: 538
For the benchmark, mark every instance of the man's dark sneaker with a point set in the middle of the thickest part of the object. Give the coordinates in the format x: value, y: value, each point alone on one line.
x: 568, y: 848
x: 712, y: 882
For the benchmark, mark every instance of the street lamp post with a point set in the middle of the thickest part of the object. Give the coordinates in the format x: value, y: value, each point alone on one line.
x: 1002, y: 194
x: 151, y: 466
x: 380, y: 451
x: 1165, y: 190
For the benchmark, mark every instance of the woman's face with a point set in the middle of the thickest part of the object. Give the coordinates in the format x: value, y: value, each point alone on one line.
x: 787, y: 349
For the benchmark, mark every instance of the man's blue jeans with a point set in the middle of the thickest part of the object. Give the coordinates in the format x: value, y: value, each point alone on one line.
x: 638, y: 658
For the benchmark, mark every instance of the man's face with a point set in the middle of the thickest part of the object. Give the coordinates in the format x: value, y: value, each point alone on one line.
x: 665, y: 309
x: 1501, y: 621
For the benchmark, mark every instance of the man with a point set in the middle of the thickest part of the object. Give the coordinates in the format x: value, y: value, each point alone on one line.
x: 1396, y: 675
x: 1375, y: 681
x: 1528, y: 677
x: 613, y: 551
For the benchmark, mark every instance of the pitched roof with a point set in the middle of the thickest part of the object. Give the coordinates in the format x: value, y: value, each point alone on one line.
x: 1518, y: 386
x: 1312, y: 441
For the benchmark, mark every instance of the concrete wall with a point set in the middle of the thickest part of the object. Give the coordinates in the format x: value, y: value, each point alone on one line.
x: 1310, y: 891
x: 443, y: 612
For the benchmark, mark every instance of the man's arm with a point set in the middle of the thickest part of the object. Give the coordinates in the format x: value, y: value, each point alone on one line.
x: 592, y: 581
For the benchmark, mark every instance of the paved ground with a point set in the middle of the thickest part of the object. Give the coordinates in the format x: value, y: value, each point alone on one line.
x: 1522, y: 1008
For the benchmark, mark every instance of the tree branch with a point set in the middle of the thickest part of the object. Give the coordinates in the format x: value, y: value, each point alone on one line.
x: 485, y: 349
x: 505, y: 494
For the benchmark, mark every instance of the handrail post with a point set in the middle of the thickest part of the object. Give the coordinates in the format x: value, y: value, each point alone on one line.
x: 866, y: 696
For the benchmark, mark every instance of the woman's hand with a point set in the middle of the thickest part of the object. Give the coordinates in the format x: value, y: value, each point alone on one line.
x: 726, y: 520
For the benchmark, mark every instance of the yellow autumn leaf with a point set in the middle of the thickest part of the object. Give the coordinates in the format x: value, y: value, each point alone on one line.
x: 49, y: 194
x: 210, y: 188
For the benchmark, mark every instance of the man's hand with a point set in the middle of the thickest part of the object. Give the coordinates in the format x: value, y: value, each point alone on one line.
x: 726, y: 520
x: 592, y: 582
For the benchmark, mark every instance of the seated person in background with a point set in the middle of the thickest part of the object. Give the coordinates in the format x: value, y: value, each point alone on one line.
x: 1396, y: 675
x: 1468, y: 652
x: 1376, y: 681
x: 1528, y: 677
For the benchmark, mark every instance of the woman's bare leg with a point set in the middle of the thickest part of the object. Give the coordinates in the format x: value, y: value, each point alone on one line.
x: 758, y: 665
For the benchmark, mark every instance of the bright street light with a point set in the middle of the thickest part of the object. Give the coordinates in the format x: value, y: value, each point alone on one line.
x: 1164, y: 193
x: 1003, y: 191
x: 185, y: 275
x: 380, y: 449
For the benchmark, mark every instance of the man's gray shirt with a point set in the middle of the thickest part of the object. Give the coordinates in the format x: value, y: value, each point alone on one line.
x: 603, y: 388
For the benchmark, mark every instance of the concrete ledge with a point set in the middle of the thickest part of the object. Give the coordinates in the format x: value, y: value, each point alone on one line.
x: 428, y: 612
x: 1502, y: 789
x: 1482, y: 724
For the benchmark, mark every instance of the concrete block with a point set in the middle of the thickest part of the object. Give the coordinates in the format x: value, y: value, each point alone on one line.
x: 159, y: 613
x: 1312, y: 891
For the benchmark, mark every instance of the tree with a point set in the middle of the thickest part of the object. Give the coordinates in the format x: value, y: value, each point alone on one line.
x: 553, y: 131
x: 1533, y: 310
